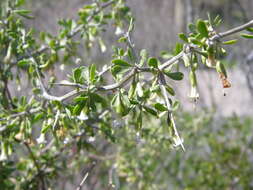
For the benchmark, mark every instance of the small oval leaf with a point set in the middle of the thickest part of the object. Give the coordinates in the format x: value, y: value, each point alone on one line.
x: 230, y: 42
x: 183, y: 37
x: 121, y: 62
x: 248, y: 36
x: 202, y: 28
x: 160, y: 107
x: 150, y: 110
x: 250, y: 29
x: 152, y: 62
x: 175, y: 75
x: 170, y: 90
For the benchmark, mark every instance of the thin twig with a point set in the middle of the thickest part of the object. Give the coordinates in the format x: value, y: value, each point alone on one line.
x: 131, y: 45
x: 56, y: 119
x: 232, y: 31
x: 171, y: 61
x: 86, y: 175
x: 79, y: 28
x: 162, y: 84
x: 77, y: 85
x: 36, y: 165
x: 120, y: 83
x: 31, y: 111
x: 64, y: 97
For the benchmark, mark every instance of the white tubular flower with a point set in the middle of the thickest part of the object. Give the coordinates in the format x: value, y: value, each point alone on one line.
x: 178, y: 141
x: 118, y: 31
x: 194, y: 95
x: 82, y: 116
x: 41, y: 139
x: 3, y: 155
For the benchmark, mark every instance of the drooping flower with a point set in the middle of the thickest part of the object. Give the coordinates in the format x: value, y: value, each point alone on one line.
x: 178, y: 142
x: 41, y: 139
x: 224, y: 80
x: 3, y: 155
x: 194, y: 95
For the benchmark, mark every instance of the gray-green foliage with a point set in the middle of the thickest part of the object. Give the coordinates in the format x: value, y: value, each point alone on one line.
x: 41, y: 133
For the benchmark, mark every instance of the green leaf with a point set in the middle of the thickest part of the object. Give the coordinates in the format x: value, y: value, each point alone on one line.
x: 192, y: 27
x: 170, y: 90
x: 160, y: 107
x: 92, y: 72
x: 45, y: 65
x: 144, y: 56
x: 121, y: 62
x: 178, y: 48
x: 250, y: 29
x: 113, y: 101
x: 23, y: 63
x: 77, y: 73
x: 203, y: 53
x: 78, y: 108
x: 80, y: 99
x: 38, y: 116
x: 248, y: 36
x: 22, y: 11
x: 175, y: 75
x: 119, y: 105
x: 130, y: 54
x: 122, y: 39
x: 150, y: 110
x: 134, y: 102
x: 183, y: 37
x: 217, y: 20
x: 45, y: 128
x: 152, y: 62
x: 116, y: 70
x: 99, y: 99
x: 132, y: 90
x: 195, y: 41
x: 202, y: 28
x: 19, y: 3
x: 175, y: 105
x: 230, y: 42
x: 155, y: 88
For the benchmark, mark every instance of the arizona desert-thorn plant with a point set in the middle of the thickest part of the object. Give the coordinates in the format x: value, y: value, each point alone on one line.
x: 46, y: 124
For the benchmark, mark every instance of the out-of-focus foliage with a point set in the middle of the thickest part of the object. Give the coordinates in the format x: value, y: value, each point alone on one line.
x: 219, y: 155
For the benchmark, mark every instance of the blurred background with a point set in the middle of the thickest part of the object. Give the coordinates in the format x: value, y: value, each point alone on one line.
x: 217, y: 129
x: 157, y: 25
